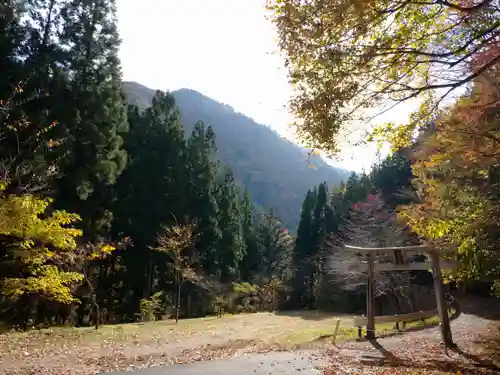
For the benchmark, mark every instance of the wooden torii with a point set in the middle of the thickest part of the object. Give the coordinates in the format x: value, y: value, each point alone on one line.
x: 400, y: 264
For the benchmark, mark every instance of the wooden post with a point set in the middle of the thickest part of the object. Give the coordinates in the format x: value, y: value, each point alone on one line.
x: 370, y: 305
x: 441, y: 303
x: 337, y: 326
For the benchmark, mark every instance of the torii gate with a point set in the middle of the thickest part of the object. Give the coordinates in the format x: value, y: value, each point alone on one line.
x: 435, y: 264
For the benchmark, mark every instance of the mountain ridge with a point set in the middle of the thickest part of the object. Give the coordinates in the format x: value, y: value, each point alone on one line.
x: 275, y: 172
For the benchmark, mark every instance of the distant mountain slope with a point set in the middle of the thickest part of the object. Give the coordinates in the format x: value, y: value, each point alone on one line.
x: 273, y: 170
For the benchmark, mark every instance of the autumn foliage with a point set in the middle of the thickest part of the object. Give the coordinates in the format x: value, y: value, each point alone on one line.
x: 457, y: 175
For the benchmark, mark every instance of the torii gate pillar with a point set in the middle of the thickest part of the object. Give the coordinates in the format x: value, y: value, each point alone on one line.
x: 440, y: 301
x: 370, y: 299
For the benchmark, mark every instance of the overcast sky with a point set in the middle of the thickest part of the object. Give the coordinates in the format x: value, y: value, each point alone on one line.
x: 222, y: 48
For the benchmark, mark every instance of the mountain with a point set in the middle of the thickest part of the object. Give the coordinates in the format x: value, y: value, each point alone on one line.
x: 274, y: 171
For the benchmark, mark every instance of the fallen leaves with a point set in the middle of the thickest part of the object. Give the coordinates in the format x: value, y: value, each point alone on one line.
x: 133, y: 347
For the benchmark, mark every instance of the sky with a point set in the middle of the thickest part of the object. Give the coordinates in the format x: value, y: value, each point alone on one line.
x: 225, y: 49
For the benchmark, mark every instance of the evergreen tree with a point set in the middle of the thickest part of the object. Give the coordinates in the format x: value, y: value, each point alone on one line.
x: 252, y: 258
x: 393, y: 176
x: 28, y: 63
x: 149, y: 194
x: 301, y: 296
x: 230, y: 249
x: 92, y: 115
x: 203, y: 205
x: 275, y: 246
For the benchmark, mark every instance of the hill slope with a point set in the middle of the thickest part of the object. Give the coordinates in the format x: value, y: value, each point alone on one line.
x: 273, y: 170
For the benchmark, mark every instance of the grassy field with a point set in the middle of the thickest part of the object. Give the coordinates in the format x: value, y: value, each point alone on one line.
x: 118, y: 345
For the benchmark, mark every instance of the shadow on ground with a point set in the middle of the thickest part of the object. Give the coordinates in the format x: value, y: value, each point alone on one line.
x: 312, y: 314
x: 484, y: 307
x: 473, y: 364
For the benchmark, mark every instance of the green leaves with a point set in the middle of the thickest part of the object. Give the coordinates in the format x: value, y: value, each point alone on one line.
x: 350, y: 55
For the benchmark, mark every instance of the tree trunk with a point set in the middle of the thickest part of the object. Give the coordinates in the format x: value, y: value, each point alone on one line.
x: 178, y: 303
x: 97, y: 311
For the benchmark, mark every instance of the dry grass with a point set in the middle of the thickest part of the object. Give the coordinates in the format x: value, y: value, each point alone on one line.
x: 64, y: 347
x: 121, y: 346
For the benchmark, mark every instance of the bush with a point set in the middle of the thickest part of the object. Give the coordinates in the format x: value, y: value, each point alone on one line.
x: 150, y: 307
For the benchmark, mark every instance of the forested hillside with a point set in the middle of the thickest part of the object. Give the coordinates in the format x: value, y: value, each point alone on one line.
x: 115, y: 213
x: 276, y: 172
x: 122, y: 205
x: 111, y: 212
x: 432, y: 53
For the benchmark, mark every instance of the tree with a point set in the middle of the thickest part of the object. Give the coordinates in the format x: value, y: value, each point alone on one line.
x: 252, y: 260
x: 177, y: 241
x: 393, y: 177
x: 151, y: 192
x: 203, y: 169
x: 25, y: 121
x: 348, y: 57
x: 456, y: 169
x: 371, y: 223
x: 30, y: 241
x: 301, y: 252
x: 82, y: 261
x: 91, y: 111
x: 275, y: 246
x: 230, y: 249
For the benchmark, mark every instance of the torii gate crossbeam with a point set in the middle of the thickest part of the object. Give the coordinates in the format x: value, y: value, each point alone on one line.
x: 435, y: 265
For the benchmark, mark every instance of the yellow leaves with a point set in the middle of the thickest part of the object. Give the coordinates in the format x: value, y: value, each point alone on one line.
x: 49, y: 282
x: 106, y: 248
x: 176, y: 239
x: 95, y: 255
x: 100, y: 251
x: 35, y: 239
x: 26, y: 244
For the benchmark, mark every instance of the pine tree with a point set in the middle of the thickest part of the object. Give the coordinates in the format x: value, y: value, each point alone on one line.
x: 275, y: 246
x: 252, y: 258
x: 150, y: 192
x: 301, y: 295
x: 230, y: 248
x: 201, y: 189
x: 28, y: 52
x: 92, y: 115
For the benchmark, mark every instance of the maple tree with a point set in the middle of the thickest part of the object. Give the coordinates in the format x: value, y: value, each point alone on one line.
x: 176, y: 242
x: 346, y: 58
x: 32, y: 240
x: 31, y: 237
x: 456, y: 169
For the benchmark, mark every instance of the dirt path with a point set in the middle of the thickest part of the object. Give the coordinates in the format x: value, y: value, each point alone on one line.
x: 412, y: 353
x: 132, y: 346
x: 421, y: 352
x: 239, y: 338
